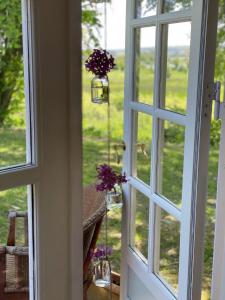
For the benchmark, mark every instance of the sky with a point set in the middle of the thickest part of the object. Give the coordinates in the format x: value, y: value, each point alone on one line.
x: 179, y: 35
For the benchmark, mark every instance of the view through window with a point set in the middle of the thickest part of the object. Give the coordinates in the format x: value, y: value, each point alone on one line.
x: 16, y: 263
x: 95, y: 127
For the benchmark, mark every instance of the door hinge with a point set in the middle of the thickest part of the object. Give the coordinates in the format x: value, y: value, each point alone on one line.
x: 214, y: 95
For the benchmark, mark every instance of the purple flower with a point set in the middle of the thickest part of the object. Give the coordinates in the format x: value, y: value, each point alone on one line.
x: 101, y: 251
x: 121, y: 178
x: 100, y: 62
x: 108, y: 178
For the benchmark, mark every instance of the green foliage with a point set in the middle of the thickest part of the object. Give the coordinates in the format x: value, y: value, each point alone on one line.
x: 173, y: 133
x: 215, y: 133
x: 11, y: 56
x: 13, y: 199
x: 168, y: 5
x: 13, y: 145
x: 220, y: 54
x: 10, y: 53
x: 90, y: 24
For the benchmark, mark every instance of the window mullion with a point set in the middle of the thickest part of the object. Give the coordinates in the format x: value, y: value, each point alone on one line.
x: 154, y: 232
x: 23, y: 175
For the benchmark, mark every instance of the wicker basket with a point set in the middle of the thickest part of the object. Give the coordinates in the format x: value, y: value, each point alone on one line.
x: 94, y: 209
x: 14, y: 262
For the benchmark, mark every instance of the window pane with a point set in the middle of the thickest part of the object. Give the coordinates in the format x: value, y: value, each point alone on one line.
x: 170, y: 171
x: 176, y: 5
x: 12, y: 95
x: 144, y: 64
x: 142, y: 147
x: 140, y: 223
x: 14, y: 246
x: 168, y: 266
x: 145, y: 8
x: 175, y: 67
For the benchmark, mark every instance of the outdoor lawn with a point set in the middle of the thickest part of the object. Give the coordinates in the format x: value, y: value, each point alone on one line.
x: 95, y: 152
x: 12, y: 151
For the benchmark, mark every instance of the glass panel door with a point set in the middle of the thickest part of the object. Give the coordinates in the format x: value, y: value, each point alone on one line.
x: 16, y: 153
x: 167, y: 121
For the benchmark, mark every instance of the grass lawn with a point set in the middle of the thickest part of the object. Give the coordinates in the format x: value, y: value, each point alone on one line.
x: 12, y: 151
x: 95, y: 152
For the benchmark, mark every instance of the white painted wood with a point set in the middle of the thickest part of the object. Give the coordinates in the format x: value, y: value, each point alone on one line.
x: 75, y: 154
x: 29, y: 119
x: 167, y: 206
x: 150, y: 280
x: 59, y: 197
x: 159, y: 113
x: 218, y: 275
x: 202, y: 59
x: 161, y: 202
x: 197, y: 124
x: 53, y: 89
x: 144, y: 22
x: 30, y: 209
x: 128, y: 153
x: 132, y: 230
x: 173, y: 17
x: 18, y: 176
x: 141, y: 107
x: 140, y: 186
x: 171, y: 116
x: 176, y: 16
x: 154, y: 240
x: 137, y: 289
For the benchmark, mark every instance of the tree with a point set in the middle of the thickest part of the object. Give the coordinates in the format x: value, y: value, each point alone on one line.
x: 10, y: 52
x: 168, y: 5
x: 90, y: 24
x: 11, y: 58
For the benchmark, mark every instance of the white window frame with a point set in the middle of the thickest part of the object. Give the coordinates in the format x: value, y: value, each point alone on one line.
x: 197, y: 122
x: 52, y: 44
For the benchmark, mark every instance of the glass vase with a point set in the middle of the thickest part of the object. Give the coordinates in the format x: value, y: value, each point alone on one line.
x: 114, y: 200
x: 100, y: 89
x: 102, y: 273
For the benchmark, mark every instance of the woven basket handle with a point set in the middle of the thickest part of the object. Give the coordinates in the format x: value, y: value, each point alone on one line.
x: 12, y: 215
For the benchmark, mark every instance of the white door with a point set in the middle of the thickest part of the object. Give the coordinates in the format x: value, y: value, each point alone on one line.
x: 170, y: 53
x: 40, y: 163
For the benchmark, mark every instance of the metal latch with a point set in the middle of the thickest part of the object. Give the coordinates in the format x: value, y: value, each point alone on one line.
x: 214, y: 94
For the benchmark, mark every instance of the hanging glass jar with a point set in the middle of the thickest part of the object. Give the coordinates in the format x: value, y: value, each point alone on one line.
x: 100, y: 89
x: 102, y: 272
x: 114, y: 200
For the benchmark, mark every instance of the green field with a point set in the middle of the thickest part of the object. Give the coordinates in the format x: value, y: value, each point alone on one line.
x: 95, y: 152
x: 12, y: 151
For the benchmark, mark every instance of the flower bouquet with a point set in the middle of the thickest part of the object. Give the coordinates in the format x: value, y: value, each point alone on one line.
x: 100, y: 63
x: 101, y: 266
x: 111, y: 182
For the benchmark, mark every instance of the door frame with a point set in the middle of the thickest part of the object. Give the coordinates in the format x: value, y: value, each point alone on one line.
x: 58, y: 70
x: 54, y: 63
x: 197, y: 129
